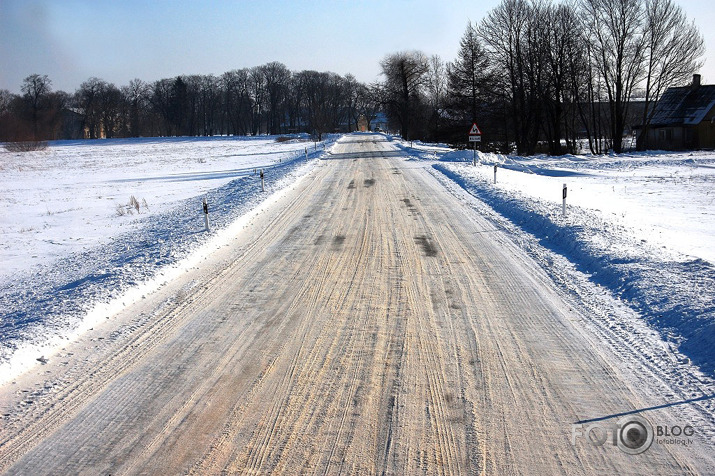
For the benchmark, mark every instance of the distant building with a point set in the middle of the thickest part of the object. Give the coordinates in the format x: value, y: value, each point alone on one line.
x: 684, y: 118
x: 362, y: 123
x: 379, y: 122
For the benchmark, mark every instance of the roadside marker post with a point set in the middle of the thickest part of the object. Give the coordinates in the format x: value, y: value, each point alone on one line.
x: 263, y: 183
x: 564, y: 203
x: 306, y: 153
x: 495, y: 173
x: 206, y: 214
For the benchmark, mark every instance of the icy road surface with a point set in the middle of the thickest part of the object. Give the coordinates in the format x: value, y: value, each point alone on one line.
x: 369, y: 322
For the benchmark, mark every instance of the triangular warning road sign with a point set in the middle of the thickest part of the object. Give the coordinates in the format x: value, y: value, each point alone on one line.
x: 474, y: 131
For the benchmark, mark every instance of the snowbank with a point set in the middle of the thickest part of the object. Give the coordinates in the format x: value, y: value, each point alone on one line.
x: 635, y: 244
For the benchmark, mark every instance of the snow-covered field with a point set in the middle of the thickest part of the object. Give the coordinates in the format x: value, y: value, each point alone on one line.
x: 69, y: 198
x: 640, y: 227
x: 73, y: 237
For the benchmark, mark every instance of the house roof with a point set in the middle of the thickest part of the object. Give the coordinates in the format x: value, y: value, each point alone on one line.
x: 686, y: 105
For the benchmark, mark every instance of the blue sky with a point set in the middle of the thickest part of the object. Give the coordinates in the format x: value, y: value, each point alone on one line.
x: 72, y: 40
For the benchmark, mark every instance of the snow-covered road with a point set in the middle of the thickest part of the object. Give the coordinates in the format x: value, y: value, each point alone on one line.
x: 370, y: 321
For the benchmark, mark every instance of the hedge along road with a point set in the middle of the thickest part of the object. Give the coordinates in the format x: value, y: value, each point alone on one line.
x: 368, y: 322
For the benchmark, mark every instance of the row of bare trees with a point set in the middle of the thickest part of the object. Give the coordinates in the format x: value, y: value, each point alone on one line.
x: 265, y: 99
x: 536, y: 73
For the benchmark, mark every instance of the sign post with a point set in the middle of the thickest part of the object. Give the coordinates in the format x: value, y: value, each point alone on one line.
x: 475, y: 135
x: 263, y: 183
x: 564, y: 204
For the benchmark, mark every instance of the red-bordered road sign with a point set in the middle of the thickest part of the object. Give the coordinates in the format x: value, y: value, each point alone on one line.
x: 475, y: 135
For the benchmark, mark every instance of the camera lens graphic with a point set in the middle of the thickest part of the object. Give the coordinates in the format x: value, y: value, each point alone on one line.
x: 635, y: 435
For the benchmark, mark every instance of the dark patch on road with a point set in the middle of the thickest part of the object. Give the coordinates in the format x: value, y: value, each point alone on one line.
x: 319, y: 240
x: 412, y: 209
x: 290, y: 236
x: 428, y: 247
x: 351, y: 185
x: 369, y: 182
x: 338, y: 241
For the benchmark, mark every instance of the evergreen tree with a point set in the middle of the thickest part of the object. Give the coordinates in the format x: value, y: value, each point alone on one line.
x: 468, y: 75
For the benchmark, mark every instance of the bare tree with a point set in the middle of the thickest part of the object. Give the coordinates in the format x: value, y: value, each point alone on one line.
x: 208, y: 105
x: 7, y: 119
x: 615, y: 32
x: 237, y: 101
x: 276, y: 77
x: 510, y: 34
x: 405, y: 76
x: 324, y: 99
x: 436, y: 81
x: 257, y: 92
x: 109, y: 104
x: 36, y: 91
x: 161, y: 103
x: 368, y: 102
x: 351, y: 91
x: 100, y: 104
x: 87, y: 103
x: 563, y: 47
x: 136, y: 96
x: 672, y: 49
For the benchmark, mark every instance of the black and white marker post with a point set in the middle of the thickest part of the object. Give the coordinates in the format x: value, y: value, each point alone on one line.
x: 495, y: 173
x: 263, y: 183
x: 206, y: 214
x: 564, y: 204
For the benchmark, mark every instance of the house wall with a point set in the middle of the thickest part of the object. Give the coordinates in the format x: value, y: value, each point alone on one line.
x: 705, y: 131
x: 666, y: 138
x: 701, y: 136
